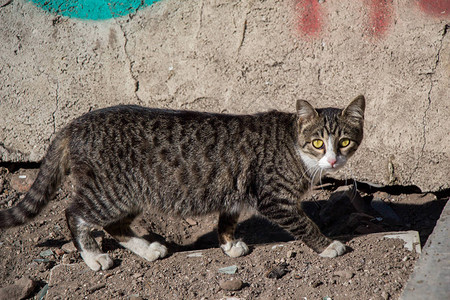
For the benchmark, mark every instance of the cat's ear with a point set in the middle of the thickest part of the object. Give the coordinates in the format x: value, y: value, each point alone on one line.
x: 305, y: 110
x: 355, y: 109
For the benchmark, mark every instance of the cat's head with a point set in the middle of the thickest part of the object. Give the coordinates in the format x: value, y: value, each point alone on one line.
x: 328, y: 137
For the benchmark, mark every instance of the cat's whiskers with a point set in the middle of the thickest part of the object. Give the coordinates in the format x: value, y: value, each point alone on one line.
x: 354, y: 191
x: 355, y: 185
x: 313, y: 179
x: 309, y: 174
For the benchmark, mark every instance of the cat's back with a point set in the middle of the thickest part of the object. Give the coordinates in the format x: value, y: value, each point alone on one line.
x: 127, y: 115
x: 136, y: 129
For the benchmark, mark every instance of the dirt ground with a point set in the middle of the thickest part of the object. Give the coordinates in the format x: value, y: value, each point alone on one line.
x: 276, y: 268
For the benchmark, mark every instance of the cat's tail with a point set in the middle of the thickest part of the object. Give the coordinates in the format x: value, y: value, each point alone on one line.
x: 53, y: 168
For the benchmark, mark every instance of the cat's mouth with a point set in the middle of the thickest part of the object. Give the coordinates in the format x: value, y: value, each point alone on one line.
x: 328, y: 167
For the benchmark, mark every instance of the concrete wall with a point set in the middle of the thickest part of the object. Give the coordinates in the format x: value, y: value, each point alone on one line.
x: 240, y: 57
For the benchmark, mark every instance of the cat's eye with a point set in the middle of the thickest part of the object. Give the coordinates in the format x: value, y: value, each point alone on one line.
x: 344, y: 142
x: 318, y: 144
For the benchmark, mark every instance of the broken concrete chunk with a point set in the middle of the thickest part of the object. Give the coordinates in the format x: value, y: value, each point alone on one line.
x: 411, y: 238
x: 19, y: 290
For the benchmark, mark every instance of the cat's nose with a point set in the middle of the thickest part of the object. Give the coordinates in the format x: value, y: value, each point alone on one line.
x: 332, y: 161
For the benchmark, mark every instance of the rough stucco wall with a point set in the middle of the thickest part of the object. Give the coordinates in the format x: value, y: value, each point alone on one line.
x: 240, y: 57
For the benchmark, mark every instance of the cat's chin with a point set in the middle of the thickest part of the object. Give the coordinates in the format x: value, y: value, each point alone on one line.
x: 330, y: 170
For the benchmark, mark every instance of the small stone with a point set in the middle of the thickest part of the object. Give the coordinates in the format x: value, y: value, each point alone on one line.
x: 46, y: 253
x: 385, y: 295
x: 96, y: 287
x: 231, y: 285
x: 191, y: 222
x: 291, y: 254
x: 69, y: 247
x: 316, y: 283
x: 344, y: 274
x: 228, y: 270
x: 41, y: 294
x: 19, y: 290
x: 22, y: 180
x: 135, y: 297
x: 66, y: 259
x: 196, y: 254
x: 59, y: 252
x: 277, y: 246
x: 278, y: 271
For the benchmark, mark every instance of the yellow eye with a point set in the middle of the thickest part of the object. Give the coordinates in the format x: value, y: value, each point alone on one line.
x: 318, y: 144
x: 344, y: 142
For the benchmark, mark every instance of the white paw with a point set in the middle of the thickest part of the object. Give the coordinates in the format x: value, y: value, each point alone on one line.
x: 144, y: 249
x: 336, y: 248
x: 97, y: 261
x: 154, y: 251
x: 235, y: 248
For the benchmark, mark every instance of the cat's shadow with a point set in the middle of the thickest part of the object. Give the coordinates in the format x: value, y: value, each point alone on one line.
x: 254, y: 230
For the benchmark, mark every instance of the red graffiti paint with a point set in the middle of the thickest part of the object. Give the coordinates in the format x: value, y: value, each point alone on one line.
x: 380, y: 16
x: 436, y: 8
x: 310, y: 17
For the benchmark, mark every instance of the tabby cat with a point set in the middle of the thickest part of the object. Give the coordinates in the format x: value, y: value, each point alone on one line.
x: 189, y: 163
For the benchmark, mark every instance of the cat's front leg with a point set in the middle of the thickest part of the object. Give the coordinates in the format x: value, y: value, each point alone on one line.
x: 226, y: 227
x: 293, y: 219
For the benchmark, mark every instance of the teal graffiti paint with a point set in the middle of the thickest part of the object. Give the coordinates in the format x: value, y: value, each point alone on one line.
x: 93, y: 9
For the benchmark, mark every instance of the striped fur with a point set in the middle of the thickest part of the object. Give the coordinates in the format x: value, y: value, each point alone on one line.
x: 189, y: 163
x: 43, y: 189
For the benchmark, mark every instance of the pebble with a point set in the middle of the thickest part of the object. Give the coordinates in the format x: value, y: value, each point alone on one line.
x: 196, y: 254
x: 22, y: 180
x: 316, y: 283
x: 277, y: 246
x: 46, y: 253
x: 19, y: 290
x: 191, y: 221
x: 66, y: 259
x: 69, y: 247
x: 344, y: 274
x: 291, y: 254
x: 231, y: 284
x: 42, y: 293
x: 59, y: 252
x: 96, y: 287
x: 385, y: 295
x: 277, y: 271
x: 228, y: 270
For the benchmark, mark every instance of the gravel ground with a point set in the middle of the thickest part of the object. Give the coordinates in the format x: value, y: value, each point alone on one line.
x: 39, y: 257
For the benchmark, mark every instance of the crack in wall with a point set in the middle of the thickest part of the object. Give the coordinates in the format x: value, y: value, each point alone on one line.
x: 130, y: 61
x: 56, y: 109
x: 424, y: 118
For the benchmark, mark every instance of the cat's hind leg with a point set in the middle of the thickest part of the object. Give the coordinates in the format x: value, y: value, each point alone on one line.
x: 226, y: 227
x: 122, y: 232
x: 85, y: 243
